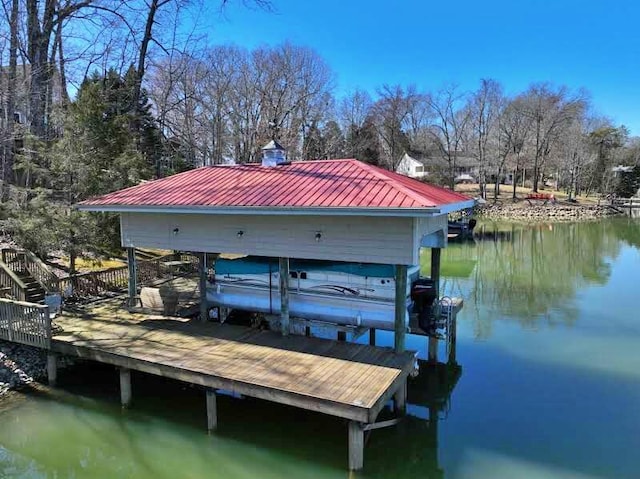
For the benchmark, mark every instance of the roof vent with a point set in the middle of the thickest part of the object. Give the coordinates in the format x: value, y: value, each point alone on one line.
x: 273, y: 154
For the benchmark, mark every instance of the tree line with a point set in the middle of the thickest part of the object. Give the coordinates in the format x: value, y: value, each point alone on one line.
x: 224, y: 104
x: 102, y: 94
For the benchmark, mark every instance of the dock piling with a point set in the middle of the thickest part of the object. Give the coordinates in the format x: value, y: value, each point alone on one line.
x: 400, y: 400
x: 212, y: 411
x: 432, y: 352
x: 125, y: 387
x: 356, y: 446
x: 372, y: 337
x: 52, y: 369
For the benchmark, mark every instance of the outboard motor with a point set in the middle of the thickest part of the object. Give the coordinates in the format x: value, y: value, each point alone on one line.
x: 423, y: 294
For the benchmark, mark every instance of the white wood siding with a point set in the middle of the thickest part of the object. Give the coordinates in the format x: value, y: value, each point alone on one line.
x: 343, y: 238
x: 423, y: 227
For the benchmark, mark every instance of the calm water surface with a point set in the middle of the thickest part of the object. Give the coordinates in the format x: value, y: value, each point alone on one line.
x: 548, y: 343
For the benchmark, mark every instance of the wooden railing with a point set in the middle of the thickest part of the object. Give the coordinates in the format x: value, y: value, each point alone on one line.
x: 25, y: 323
x: 41, y: 272
x: 26, y: 261
x: 111, y: 280
x: 92, y: 283
x: 11, y: 283
x: 14, y: 259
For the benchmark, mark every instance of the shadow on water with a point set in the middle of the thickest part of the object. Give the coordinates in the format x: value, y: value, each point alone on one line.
x: 79, y: 430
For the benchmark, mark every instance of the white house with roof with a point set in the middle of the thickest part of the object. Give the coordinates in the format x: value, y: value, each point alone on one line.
x: 415, y: 165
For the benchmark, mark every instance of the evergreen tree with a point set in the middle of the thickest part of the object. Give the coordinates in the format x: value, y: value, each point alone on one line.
x: 108, y: 143
x: 629, y: 184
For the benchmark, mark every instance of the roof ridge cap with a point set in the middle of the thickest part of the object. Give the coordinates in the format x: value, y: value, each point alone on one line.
x: 405, y: 189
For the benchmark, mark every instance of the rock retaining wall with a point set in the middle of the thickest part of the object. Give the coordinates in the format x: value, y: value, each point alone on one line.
x: 523, y: 211
x: 20, y: 365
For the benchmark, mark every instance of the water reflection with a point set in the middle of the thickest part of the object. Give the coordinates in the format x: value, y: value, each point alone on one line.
x: 535, y: 275
x: 411, y: 449
x: 79, y: 431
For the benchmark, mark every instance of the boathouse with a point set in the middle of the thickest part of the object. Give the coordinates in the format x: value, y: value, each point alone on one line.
x: 323, y: 211
x: 334, y: 210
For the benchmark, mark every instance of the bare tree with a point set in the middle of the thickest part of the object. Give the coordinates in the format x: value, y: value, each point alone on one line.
x: 448, y: 127
x: 551, y: 110
x: 484, y: 107
x: 354, y: 110
x: 513, y: 130
x: 391, y: 113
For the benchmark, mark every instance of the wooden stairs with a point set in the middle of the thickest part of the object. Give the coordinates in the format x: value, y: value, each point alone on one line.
x: 34, y: 291
x: 24, y: 277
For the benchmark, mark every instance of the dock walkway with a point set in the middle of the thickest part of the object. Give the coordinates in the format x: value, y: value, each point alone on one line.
x: 347, y: 380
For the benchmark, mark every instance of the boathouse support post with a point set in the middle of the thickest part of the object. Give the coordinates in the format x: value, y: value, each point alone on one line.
x: 133, y: 286
x: 435, y: 269
x: 52, y: 369
x: 356, y: 446
x: 453, y: 333
x: 212, y: 410
x: 401, y: 307
x: 202, y: 284
x: 125, y: 387
x: 284, y: 295
x: 432, y: 348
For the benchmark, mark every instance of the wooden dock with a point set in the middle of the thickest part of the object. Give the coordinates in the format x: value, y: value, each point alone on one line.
x: 341, y: 379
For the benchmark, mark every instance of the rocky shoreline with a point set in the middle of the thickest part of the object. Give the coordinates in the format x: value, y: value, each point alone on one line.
x: 20, y: 365
x: 556, y: 212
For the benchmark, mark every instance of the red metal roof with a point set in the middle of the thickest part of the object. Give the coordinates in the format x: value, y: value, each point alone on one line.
x: 304, y: 184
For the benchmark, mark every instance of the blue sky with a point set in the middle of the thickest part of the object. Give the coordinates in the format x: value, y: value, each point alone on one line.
x: 593, y: 44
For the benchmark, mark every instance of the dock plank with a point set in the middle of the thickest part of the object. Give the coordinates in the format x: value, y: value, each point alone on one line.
x: 338, y: 378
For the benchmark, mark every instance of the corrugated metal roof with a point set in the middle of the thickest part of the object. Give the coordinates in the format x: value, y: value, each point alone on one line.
x: 304, y: 184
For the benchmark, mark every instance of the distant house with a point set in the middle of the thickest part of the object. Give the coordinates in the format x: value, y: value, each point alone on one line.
x: 621, y: 170
x: 412, y: 167
x: 416, y: 165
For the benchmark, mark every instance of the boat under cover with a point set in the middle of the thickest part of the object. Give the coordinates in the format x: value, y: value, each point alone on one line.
x: 359, y: 294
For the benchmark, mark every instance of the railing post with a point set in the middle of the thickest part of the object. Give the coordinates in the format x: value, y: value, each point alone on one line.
x: 10, y: 322
x: 47, y: 325
x: 131, y: 263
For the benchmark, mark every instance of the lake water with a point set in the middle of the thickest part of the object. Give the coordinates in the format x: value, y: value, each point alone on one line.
x: 549, y: 350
